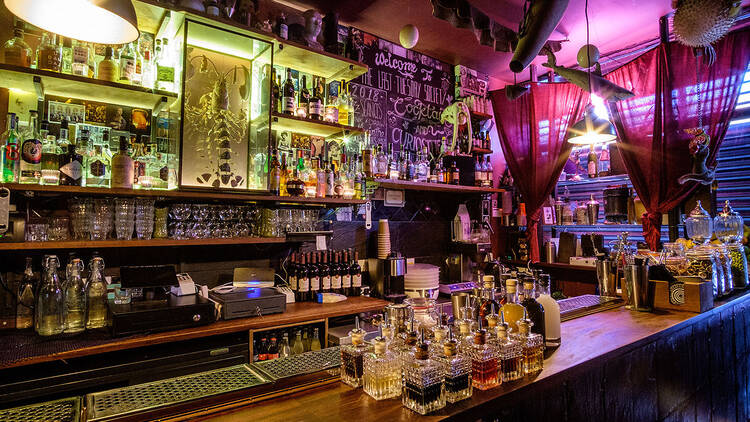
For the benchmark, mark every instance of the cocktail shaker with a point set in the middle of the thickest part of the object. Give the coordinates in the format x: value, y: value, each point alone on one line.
x: 605, y: 277
x: 592, y: 210
x: 640, y: 297
x: 550, y: 250
x: 559, y: 205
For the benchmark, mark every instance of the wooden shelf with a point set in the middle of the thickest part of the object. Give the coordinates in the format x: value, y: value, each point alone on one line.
x: 330, y: 66
x: 180, y: 194
x: 481, y: 116
x: 322, y: 128
x: 137, y: 243
x: 434, y: 187
x: 478, y: 151
x: 72, y: 86
x: 296, y: 313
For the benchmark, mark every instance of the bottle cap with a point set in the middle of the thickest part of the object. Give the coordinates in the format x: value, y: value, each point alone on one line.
x: 450, y: 347
x: 524, y: 324
x: 528, y: 285
x: 510, y: 285
x: 357, y: 334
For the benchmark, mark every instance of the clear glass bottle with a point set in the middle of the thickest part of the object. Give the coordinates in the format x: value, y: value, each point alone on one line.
x: 382, y: 371
x: 108, y: 68
x: 440, y: 334
x: 96, y: 295
x: 352, y: 357
x: 509, y: 352
x: 423, y: 167
x: 127, y: 63
x: 66, y: 66
x: 82, y: 53
x: 423, y: 382
x: 10, y: 156
x: 484, y: 367
x: 551, y: 312
x: 532, y: 347
x: 511, y: 309
x: 381, y: 161
x: 74, y: 292
x: 298, y: 348
x: 284, y: 349
x: 16, y: 51
x: 456, y: 371
x: 31, y: 152
x: 51, y: 153
x: 50, y: 304
x: 49, y: 54
x: 25, y: 302
x: 98, y: 168
x: 315, y: 341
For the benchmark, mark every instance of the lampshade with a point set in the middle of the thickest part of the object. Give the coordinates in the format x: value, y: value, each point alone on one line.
x: 591, y: 129
x: 99, y: 21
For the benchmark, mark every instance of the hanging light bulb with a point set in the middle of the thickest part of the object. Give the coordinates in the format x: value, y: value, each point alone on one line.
x: 408, y: 36
x: 591, y: 129
x: 99, y: 21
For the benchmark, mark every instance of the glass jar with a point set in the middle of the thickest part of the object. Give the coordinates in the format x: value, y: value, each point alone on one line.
x: 699, y: 225
x: 702, y: 263
x: 738, y: 264
x: 674, y: 257
x: 724, y: 264
x: 424, y: 309
x: 728, y: 225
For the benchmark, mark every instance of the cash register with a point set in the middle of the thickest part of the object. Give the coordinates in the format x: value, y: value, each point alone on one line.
x: 157, y: 302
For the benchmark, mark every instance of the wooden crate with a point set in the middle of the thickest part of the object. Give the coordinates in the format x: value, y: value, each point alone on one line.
x: 698, y: 296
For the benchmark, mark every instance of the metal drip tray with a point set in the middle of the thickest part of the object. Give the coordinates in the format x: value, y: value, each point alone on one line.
x: 305, y: 363
x: 63, y: 410
x: 578, y: 306
x: 138, y: 398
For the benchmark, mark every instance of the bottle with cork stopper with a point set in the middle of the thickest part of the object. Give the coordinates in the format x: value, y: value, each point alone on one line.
x: 512, y: 310
x: 484, y: 368
x: 423, y: 381
x: 352, y: 356
x: 532, y: 346
x: 382, y: 371
x: 509, y: 352
x: 456, y: 370
x: 439, y: 334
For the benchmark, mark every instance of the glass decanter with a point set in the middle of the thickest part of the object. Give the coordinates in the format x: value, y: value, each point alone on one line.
x: 75, y: 298
x: 484, y: 369
x: 699, y: 225
x: 352, y: 357
x: 456, y: 371
x: 439, y: 334
x: 423, y: 388
x: 532, y: 346
x: 382, y: 371
x: 728, y: 225
x: 96, y: 295
x: 509, y: 353
x: 49, y: 304
x: 511, y: 310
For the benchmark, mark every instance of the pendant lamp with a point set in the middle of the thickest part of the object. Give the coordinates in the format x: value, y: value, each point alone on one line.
x: 591, y: 129
x: 99, y: 21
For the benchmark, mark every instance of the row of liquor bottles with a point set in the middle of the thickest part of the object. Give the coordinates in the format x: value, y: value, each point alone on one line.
x: 35, y: 156
x: 132, y: 63
x: 70, y: 306
x: 294, y: 98
x: 285, y: 343
x: 316, y: 177
x: 311, y: 273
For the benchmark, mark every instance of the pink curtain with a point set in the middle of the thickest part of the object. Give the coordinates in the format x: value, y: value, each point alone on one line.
x: 532, y: 131
x: 651, y: 126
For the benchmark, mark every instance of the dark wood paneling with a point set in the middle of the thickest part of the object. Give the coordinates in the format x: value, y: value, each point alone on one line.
x: 584, y: 396
x: 630, y: 392
x: 673, y: 372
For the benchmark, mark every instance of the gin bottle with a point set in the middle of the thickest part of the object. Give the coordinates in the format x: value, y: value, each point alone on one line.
x: 96, y: 295
x: 75, y: 298
x: 423, y: 382
x: 532, y: 347
x: 51, y: 153
x: 509, y: 353
x: 48, y: 320
x: 98, y: 168
x: 484, y: 368
x: 31, y: 152
x: 352, y: 357
x: 382, y: 371
x: 456, y: 370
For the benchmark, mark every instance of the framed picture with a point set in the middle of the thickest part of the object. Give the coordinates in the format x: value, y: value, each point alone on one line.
x: 549, y: 215
x: 73, y: 113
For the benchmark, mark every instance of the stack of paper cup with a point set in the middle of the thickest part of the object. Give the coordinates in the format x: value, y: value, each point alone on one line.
x: 384, y: 239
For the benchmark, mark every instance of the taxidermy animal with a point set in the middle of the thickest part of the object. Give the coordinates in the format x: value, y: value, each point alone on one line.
x: 599, y: 85
x: 700, y: 23
x: 457, y: 114
x: 699, y: 152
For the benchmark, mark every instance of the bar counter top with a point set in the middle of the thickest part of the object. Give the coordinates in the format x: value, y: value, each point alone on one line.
x: 606, y: 340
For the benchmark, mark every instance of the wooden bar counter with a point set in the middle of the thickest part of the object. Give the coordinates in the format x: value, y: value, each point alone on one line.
x: 616, y: 365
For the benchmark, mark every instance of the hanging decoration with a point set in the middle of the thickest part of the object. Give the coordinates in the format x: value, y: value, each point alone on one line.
x: 699, y: 143
x: 458, y: 115
x: 540, y: 18
x: 700, y: 23
x: 599, y: 86
x: 408, y: 36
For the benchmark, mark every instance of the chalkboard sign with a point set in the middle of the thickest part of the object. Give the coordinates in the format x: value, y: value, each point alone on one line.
x: 399, y: 100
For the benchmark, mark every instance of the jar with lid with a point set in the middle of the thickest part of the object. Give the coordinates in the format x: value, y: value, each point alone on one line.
x: 702, y: 263
x: 739, y: 265
x: 699, y: 225
x: 724, y: 265
x: 728, y: 225
x: 674, y: 257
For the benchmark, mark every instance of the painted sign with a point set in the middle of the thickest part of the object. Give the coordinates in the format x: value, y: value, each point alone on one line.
x: 470, y: 82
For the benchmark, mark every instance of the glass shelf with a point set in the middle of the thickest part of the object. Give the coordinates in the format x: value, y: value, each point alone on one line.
x: 311, y: 127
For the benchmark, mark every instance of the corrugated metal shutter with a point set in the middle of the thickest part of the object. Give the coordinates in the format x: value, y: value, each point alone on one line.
x: 733, y: 170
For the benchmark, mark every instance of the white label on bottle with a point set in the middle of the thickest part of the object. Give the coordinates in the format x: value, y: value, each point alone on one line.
x: 320, y: 242
x: 127, y: 67
x: 73, y: 169
x: 315, y: 283
x: 304, y: 284
x: 288, y: 104
x: 336, y: 282
x: 326, y: 282
x: 357, y: 280
x: 316, y: 108
x: 80, y: 55
x: 293, y: 282
x: 346, y: 281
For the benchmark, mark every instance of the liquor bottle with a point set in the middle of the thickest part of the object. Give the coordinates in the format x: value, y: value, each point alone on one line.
x: 532, y: 346
x: 297, y: 347
x: 48, y: 318
x: 96, y: 295
x: 51, y: 153
x: 288, y: 94
x: 339, y: 178
x: 137, y: 76
x: 31, y: 152
x: 284, y: 349
x: 75, y: 298
x: 148, y: 70
x: 122, y: 167
x: 71, y: 167
x: 360, y: 181
x: 551, y: 313
x: 604, y: 161
x: 593, y: 163
x: 335, y: 274
x: 457, y: 370
x: 273, y: 349
x: 484, y: 366
x: 488, y: 301
x: 315, y: 341
x: 315, y: 106
x: 16, y: 51
x: 304, y: 98
x: 127, y: 63
x: 382, y: 371
x: 346, y: 279
x: 394, y: 167
x: 142, y: 159
x: 108, y: 69
x: 292, y: 270
x: 488, y: 176
x: 324, y: 271
x: 332, y: 102
x: 263, y: 350
x: 455, y: 174
x: 306, y: 339
x: 403, y: 167
x: 80, y: 63
x: 423, y: 382
x: 303, y: 280
x: 381, y: 163
x: 165, y: 79
x: 274, y: 174
x: 534, y: 309
x: 344, y: 105
x: 98, y: 168
x: 282, y: 30
x: 352, y: 356
x: 330, y: 180
x: 321, y: 179
x: 355, y: 270
x: 275, y: 92
x: 25, y: 302
x: 315, y: 280
x: 49, y: 54
x: 509, y: 352
x: 478, y: 172
x: 511, y: 310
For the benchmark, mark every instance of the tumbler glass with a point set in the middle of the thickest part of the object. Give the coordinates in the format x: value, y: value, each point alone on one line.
x: 124, y: 218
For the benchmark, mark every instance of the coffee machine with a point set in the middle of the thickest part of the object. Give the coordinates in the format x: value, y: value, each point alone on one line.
x: 387, y: 277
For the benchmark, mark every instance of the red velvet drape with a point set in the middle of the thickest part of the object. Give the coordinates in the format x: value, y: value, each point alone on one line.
x: 532, y: 131
x: 650, y: 126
